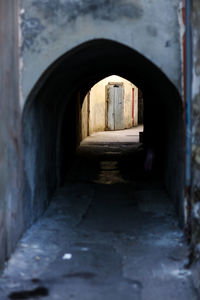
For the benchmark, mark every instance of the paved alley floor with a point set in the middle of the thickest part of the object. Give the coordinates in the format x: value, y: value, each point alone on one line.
x: 110, y: 233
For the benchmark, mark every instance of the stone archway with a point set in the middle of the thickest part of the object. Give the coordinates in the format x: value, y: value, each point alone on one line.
x: 50, y: 115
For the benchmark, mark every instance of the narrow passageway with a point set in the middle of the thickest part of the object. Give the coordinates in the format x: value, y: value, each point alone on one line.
x: 111, y: 232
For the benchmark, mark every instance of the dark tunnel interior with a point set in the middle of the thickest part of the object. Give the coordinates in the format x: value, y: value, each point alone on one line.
x: 51, y: 125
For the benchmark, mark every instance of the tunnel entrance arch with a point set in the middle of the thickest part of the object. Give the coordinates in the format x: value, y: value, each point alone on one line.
x: 50, y: 118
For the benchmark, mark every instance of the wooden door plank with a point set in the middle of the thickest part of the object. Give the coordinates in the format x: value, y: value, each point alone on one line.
x: 111, y: 102
x: 119, y: 107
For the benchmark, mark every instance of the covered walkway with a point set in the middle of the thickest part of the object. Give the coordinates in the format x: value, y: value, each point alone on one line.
x: 111, y: 232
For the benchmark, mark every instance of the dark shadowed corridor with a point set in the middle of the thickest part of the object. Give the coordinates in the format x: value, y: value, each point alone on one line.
x: 110, y: 232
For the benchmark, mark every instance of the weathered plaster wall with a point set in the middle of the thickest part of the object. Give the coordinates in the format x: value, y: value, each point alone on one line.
x: 11, y: 200
x: 195, y: 192
x: 97, y: 117
x: 128, y: 104
x: 50, y: 28
x: 84, y: 118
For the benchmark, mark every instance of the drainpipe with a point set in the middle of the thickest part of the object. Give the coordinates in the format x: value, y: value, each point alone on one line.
x: 188, y: 91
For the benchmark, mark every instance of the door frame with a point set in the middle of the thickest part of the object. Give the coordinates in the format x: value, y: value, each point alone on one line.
x: 133, y: 106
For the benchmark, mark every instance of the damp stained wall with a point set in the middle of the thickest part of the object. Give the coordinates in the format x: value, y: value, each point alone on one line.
x: 50, y: 28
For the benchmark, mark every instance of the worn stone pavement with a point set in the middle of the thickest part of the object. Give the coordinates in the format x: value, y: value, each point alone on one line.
x: 110, y: 233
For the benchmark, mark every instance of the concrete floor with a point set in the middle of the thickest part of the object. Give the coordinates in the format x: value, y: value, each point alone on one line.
x: 110, y: 233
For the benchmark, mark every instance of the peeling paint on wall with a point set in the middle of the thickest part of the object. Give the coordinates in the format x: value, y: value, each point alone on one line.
x: 109, y: 10
x: 62, y: 13
x: 31, y: 28
x: 50, y: 28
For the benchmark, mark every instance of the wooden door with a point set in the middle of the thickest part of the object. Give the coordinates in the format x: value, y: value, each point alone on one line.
x: 115, y: 108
